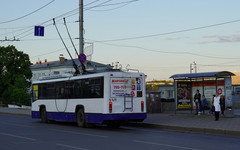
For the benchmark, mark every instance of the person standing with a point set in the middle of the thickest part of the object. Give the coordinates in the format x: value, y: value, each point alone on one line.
x: 217, y: 106
x: 197, y: 100
x: 222, y: 104
x: 212, y: 106
x: 204, y: 103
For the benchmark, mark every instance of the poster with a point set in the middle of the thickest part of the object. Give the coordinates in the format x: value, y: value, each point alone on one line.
x: 184, y: 95
x: 126, y: 86
x: 228, y: 89
x: 120, y: 86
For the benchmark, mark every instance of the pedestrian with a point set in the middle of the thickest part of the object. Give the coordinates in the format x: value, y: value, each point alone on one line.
x: 217, y: 106
x: 204, y: 102
x: 197, y: 100
x: 212, y: 106
x: 222, y: 104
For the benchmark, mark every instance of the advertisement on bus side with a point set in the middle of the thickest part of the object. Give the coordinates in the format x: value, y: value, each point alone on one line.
x: 126, y: 86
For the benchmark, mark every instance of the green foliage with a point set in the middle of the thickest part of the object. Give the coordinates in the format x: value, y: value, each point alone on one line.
x: 15, y: 75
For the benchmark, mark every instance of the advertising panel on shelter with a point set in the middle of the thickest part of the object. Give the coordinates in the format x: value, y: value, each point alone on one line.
x: 228, y: 92
x: 184, y: 95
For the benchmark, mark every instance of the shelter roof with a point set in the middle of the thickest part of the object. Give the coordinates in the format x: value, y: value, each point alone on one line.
x: 203, y: 75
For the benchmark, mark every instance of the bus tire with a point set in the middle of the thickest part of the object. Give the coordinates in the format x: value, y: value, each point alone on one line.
x: 43, y: 115
x: 81, y: 118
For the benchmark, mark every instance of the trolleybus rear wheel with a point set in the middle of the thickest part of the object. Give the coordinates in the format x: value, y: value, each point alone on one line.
x: 81, y: 118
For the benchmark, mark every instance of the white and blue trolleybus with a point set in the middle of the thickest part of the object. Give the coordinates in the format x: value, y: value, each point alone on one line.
x: 106, y: 98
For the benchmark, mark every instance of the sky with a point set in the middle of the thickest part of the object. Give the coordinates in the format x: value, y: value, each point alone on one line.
x: 158, y: 37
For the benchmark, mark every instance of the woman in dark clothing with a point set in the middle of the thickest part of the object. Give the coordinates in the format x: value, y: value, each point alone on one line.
x: 222, y: 104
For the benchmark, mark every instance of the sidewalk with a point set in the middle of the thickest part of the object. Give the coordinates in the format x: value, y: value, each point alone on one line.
x: 187, y: 122
x: 15, y: 111
x: 181, y: 121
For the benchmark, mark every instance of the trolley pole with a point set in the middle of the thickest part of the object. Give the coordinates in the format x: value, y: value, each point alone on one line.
x: 81, y: 42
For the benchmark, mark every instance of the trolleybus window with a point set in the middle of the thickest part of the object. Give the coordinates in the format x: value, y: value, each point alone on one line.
x: 93, y: 88
x: 60, y: 90
x: 82, y: 88
x: 69, y: 90
x: 42, y: 91
x: 50, y: 91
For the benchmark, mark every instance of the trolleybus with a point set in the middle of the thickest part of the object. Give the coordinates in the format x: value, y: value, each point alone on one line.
x: 106, y: 98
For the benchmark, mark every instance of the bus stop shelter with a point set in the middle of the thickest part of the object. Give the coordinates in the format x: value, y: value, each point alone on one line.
x: 208, y: 84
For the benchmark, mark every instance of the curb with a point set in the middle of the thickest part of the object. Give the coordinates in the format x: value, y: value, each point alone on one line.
x: 186, y: 129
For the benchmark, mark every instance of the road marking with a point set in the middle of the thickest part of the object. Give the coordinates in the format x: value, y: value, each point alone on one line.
x: 24, y: 142
x: 71, y: 132
x: 16, y: 136
x: 73, y: 147
x: 167, y: 145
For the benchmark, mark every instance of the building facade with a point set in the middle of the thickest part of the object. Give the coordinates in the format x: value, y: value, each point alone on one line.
x: 64, y: 66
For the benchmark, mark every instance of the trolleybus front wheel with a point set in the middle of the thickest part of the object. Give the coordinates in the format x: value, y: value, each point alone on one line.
x: 44, y: 115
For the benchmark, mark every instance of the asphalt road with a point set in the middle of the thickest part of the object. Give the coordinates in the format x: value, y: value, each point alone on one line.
x: 18, y: 132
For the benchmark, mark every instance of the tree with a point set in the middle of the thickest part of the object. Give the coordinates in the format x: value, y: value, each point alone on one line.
x: 15, y: 76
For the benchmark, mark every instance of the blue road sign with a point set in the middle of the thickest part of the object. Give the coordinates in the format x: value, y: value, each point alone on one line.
x: 39, y: 31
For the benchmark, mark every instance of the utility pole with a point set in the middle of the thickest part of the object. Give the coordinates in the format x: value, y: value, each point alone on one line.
x: 81, y: 42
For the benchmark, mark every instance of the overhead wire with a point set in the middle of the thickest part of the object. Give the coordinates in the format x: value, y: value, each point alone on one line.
x: 103, y: 4
x: 67, y: 14
x: 71, y: 13
x: 88, y: 8
x: 158, y: 51
x: 50, y: 52
x: 168, y: 52
x: 167, y: 33
x: 26, y: 31
x: 220, y: 65
x: 91, y: 3
x: 146, y: 36
x: 27, y: 14
x: 123, y: 5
